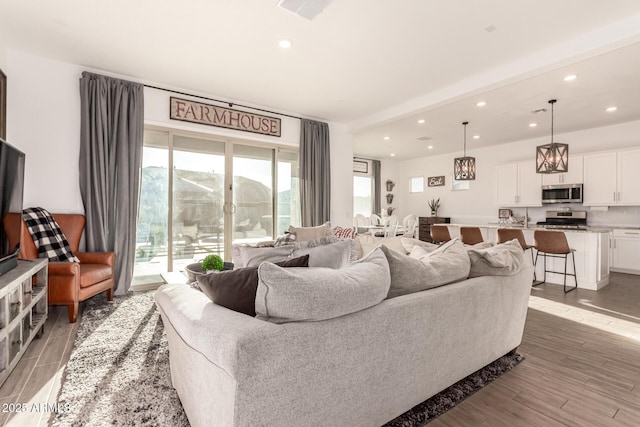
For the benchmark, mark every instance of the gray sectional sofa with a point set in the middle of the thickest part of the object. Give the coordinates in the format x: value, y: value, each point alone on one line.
x: 362, y: 368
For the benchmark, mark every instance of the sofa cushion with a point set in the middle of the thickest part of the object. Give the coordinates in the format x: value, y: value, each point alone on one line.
x: 310, y: 233
x: 90, y: 274
x: 424, y: 270
x: 313, y: 294
x: 285, y: 240
x: 408, y: 244
x: 236, y: 289
x: 248, y: 256
x: 333, y: 255
x: 503, y: 259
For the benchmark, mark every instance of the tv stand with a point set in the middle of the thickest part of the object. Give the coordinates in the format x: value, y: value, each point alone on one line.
x: 23, y: 311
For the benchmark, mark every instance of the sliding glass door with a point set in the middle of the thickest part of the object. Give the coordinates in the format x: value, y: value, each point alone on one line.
x: 207, y: 194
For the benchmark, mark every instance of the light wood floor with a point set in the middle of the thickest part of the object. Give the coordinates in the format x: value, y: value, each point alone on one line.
x: 582, y: 365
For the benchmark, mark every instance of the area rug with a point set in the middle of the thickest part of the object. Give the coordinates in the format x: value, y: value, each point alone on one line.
x: 118, y: 372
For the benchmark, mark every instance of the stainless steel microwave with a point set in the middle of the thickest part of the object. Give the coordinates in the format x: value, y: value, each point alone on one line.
x: 566, y: 193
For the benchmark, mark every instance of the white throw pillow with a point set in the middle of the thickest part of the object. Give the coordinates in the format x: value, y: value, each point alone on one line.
x: 333, y: 255
x: 504, y: 259
x: 313, y: 294
x: 310, y: 233
x: 425, y: 270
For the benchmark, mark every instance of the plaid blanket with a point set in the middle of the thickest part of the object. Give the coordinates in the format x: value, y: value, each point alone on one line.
x: 47, y: 236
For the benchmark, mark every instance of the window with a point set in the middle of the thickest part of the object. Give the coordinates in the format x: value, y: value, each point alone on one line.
x: 200, y: 194
x: 362, y: 195
x: 416, y: 184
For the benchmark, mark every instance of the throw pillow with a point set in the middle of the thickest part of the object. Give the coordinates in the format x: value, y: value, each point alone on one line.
x: 285, y: 240
x: 503, y: 259
x: 333, y: 255
x: 310, y: 233
x: 368, y: 243
x: 316, y: 242
x: 236, y: 289
x: 344, y: 233
x: 313, y: 294
x: 247, y: 256
x: 408, y: 244
x: 423, y: 270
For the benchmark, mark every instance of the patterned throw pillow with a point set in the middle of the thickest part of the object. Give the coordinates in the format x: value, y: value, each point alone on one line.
x: 284, y: 240
x: 344, y: 233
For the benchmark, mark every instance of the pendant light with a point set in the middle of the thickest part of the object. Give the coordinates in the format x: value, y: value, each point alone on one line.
x: 464, y: 168
x: 552, y: 157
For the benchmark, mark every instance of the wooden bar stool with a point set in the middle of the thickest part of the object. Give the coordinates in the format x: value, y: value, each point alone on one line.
x: 440, y: 233
x: 554, y: 244
x: 507, y: 234
x: 471, y: 235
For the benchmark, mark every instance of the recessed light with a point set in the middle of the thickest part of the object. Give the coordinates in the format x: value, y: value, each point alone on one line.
x: 393, y: 154
x: 570, y: 78
x: 612, y: 109
x: 481, y: 104
x: 476, y: 136
x: 430, y: 147
x: 533, y: 125
x: 285, y: 43
x: 386, y: 138
x: 421, y: 121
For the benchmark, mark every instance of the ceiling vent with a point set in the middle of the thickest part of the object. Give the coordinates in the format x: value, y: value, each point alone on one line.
x: 424, y: 138
x: 308, y: 9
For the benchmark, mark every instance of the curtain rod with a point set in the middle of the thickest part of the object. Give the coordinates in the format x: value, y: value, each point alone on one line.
x: 230, y: 104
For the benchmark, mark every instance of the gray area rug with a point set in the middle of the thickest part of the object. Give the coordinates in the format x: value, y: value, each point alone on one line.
x: 118, y: 373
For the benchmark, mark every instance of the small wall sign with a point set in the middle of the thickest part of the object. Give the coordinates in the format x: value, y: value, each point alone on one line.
x: 360, y: 166
x: 197, y: 112
x: 435, y: 181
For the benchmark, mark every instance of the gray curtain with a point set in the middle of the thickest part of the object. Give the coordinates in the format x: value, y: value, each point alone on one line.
x: 377, y: 190
x: 315, y: 173
x: 111, y: 130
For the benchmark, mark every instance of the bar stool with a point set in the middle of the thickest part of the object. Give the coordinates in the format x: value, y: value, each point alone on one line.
x: 507, y: 234
x: 554, y: 244
x: 440, y: 233
x: 471, y: 235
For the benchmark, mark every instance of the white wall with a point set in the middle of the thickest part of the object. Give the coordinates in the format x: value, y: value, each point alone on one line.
x: 44, y: 121
x: 478, y: 204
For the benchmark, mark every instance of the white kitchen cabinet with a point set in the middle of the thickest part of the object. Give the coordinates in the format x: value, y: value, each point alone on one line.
x: 611, y: 179
x: 518, y: 184
x: 573, y: 176
x: 625, y: 246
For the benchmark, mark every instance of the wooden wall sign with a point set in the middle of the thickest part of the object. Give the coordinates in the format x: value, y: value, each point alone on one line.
x: 435, y: 181
x: 197, y: 112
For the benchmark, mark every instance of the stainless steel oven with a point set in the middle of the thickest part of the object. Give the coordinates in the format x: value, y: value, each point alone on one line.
x: 567, y: 193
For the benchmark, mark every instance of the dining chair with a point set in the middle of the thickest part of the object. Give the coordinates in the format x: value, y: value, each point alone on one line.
x: 410, y: 222
x: 360, y: 221
x: 390, y: 226
x: 375, y: 219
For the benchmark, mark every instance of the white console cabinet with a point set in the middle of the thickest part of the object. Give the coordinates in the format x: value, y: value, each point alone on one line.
x: 23, y: 311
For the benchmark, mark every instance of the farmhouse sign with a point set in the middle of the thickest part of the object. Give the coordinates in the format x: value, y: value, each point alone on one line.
x: 197, y: 112
x: 435, y: 181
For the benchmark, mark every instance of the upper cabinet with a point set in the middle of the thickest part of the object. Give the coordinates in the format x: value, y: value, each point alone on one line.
x: 610, y: 179
x: 518, y: 184
x: 573, y: 176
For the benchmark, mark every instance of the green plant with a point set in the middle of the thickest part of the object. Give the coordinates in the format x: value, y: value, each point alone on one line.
x: 434, y: 204
x: 212, y: 262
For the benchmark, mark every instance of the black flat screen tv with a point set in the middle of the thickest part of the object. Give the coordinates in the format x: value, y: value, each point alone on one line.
x: 11, y: 194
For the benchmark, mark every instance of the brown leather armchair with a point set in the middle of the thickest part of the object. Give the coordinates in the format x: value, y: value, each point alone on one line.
x: 69, y: 282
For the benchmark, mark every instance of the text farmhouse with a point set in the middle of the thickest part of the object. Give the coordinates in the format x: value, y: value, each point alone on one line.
x: 197, y: 112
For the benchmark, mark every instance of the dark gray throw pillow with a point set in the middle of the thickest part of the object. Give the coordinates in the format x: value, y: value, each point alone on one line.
x: 236, y: 289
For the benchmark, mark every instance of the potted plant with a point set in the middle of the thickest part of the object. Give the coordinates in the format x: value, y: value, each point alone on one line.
x: 434, y: 204
x: 212, y: 263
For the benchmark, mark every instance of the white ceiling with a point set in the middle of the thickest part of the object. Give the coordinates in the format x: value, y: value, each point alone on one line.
x: 375, y: 65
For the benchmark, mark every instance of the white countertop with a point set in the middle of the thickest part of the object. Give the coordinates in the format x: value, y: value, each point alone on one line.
x: 532, y: 226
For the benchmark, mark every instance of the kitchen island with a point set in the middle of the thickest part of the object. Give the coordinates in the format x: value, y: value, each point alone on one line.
x: 591, y: 254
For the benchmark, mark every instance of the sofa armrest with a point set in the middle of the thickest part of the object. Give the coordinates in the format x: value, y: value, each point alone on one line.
x: 216, y: 332
x: 108, y: 258
x: 63, y: 268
